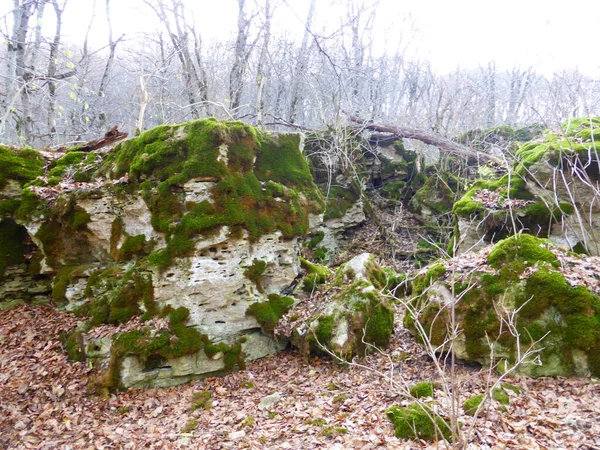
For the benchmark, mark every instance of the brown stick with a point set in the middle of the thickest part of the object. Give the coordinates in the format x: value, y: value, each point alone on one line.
x: 113, y: 135
x: 440, y: 142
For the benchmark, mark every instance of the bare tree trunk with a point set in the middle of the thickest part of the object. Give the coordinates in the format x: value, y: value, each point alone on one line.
x: 260, y: 70
x: 112, y: 46
x: 240, y: 59
x: 490, y: 81
x: 301, y: 65
x: 54, y: 47
x: 179, y: 38
x: 16, y: 74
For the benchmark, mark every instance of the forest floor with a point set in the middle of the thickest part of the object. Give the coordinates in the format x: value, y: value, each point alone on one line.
x: 45, y: 402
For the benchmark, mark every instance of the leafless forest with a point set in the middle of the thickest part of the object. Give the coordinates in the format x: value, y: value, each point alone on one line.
x: 55, y: 91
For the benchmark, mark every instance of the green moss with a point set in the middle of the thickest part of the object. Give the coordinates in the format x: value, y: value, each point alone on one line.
x: 19, y: 165
x: 511, y: 387
x: 254, y: 273
x: 331, y: 431
x: 324, y: 330
x: 190, y: 426
x: 132, y: 246
x: 120, y: 297
x: 65, y: 276
x: 78, y: 219
x: 419, y: 422
x: 436, y: 195
x: 30, y: 206
x: 268, y: 313
x: 201, y: 400
x: 339, y: 200
x: 423, y: 389
x: 472, y: 404
x: 340, y: 398
x: 500, y: 396
x: 516, y: 253
x: 64, y: 165
x: 315, y: 274
x: 279, y: 159
x: 275, y: 192
x: 421, y: 283
x: 549, y: 307
x: 73, y: 345
x: 9, y: 207
x: 315, y: 239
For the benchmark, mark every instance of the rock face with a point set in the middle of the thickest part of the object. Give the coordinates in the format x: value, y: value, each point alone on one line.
x: 550, y: 193
x: 188, y: 225
x: 20, y: 278
x: 391, y: 171
x: 549, y: 298
x: 356, y: 317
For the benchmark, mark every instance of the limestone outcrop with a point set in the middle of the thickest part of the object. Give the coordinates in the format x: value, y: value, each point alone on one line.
x: 550, y: 192
x: 167, y: 240
x: 522, y: 295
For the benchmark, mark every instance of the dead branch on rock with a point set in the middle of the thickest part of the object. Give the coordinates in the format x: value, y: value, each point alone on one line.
x: 113, y: 135
x: 444, y: 144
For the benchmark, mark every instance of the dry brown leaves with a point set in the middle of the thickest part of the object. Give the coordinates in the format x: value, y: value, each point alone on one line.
x: 134, y: 324
x: 44, y: 402
x: 51, y: 193
x: 492, y: 200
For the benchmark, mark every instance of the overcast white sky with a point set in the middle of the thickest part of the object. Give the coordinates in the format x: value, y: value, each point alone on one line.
x: 546, y: 34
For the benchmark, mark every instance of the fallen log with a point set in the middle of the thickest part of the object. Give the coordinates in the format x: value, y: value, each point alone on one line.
x: 113, y: 135
x: 444, y: 144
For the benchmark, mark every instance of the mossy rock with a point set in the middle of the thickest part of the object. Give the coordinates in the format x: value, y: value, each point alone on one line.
x: 155, y: 348
x: 527, y: 281
x: 261, y: 182
x: 419, y: 422
x: 354, y: 321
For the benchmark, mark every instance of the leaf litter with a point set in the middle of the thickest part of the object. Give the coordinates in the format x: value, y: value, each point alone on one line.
x: 45, y: 402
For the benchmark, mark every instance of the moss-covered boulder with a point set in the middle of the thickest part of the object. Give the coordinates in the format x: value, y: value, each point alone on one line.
x: 549, y: 192
x: 419, y: 421
x: 356, y: 318
x: 204, y: 216
x: 524, y: 281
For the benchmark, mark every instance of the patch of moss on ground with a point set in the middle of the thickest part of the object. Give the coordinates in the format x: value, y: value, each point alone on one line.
x: 201, y: 400
x: 268, y: 313
x: 419, y: 422
x: 423, y: 389
x: 471, y: 405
